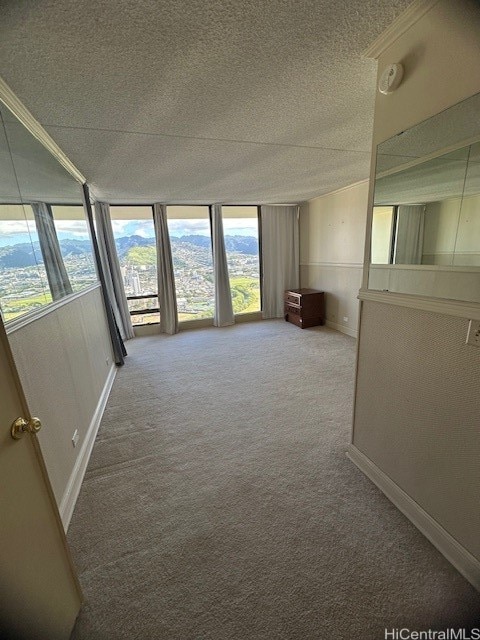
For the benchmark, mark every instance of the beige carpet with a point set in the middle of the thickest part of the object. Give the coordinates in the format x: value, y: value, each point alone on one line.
x: 219, y: 504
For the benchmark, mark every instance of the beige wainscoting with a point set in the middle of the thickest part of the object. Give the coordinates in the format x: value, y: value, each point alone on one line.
x: 332, y: 238
x: 64, y: 359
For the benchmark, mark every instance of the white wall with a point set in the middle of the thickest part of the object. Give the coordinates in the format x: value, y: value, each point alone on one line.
x: 440, y: 234
x: 467, y: 248
x: 416, y: 414
x: 64, y: 360
x: 332, y: 236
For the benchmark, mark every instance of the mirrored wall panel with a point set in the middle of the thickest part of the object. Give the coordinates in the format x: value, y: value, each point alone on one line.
x: 45, y: 246
x: 426, y: 217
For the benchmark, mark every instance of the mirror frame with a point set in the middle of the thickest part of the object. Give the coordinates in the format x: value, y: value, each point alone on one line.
x: 430, y: 277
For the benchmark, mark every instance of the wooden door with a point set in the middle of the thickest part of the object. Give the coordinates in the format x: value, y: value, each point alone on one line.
x: 39, y: 592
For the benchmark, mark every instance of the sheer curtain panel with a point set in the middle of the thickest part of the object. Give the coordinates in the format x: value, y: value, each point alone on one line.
x: 410, y: 228
x: 167, y: 298
x: 223, y: 297
x: 111, y: 269
x: 57, y: 276
x: 280, y: 256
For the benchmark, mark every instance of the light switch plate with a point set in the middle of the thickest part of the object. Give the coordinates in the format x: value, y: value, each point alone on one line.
x: 75, y: 438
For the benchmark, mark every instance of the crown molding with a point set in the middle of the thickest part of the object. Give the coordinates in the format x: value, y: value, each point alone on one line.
x: 339, y: 190
x: 405, y: 20
x: 24, y: 116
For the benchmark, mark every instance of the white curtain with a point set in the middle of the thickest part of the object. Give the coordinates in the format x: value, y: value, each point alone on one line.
x: 280, y: 256
x: 223, y: 296
x: 111, y: 270
x: 57, y: 276
x: 167, y: 299
x: 409, y: 238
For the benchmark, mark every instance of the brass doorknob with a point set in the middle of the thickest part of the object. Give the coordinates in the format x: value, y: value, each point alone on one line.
x: 21, y: 426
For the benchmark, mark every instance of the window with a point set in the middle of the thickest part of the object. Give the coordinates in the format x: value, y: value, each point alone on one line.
x: 382, y: 235
x: 45, y: 254
x: 191, y: 242
x: 134, y: 235
x: 23, y: 281
x: 240, y: 228
x: 75, y: 245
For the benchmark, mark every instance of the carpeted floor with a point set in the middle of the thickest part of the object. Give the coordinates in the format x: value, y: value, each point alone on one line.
x: 219, y: 504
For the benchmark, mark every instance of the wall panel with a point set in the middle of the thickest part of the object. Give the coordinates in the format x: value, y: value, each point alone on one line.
x: 64, y: 359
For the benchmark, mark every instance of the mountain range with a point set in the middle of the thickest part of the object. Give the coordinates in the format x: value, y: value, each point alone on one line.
x: 25, y: 254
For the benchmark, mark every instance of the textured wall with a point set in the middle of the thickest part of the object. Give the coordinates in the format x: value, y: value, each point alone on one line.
x: 62, y: 362
x: 417, y: 405
x: 417, y: 390
x: 332, y: 236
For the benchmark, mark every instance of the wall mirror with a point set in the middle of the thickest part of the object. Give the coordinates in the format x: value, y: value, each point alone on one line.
x: 45, y: 246
x: 426, y: 216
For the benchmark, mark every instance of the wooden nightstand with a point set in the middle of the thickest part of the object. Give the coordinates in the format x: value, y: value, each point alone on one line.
x: 304, y: 307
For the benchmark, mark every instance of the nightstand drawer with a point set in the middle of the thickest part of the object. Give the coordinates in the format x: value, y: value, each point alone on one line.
x: 291, y: 308
x: 294, y: 298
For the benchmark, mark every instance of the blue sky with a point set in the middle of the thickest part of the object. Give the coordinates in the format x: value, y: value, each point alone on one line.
x: 19, y: 231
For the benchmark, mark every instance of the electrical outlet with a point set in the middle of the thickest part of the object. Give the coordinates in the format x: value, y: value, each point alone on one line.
x: 107, y: 361
x: 473, y: 335
x: 345, y: 318
x: 75, y: 438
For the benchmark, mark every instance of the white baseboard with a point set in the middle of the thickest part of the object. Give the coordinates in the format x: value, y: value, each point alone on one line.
x: 453, y: 551
x: 70, y: 496
x: 341, y: 328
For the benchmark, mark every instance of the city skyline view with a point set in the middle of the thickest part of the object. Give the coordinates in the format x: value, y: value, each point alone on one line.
x: 24, y: 284
x: 193, y: 266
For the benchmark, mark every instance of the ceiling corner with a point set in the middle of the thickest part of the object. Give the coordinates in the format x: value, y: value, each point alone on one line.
x: 405, y: 20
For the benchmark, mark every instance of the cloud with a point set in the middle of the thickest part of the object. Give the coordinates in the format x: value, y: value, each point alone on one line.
x: 72, y: 228
x: 143, y: 228
x: 181, y: 227
x: 13, y: 227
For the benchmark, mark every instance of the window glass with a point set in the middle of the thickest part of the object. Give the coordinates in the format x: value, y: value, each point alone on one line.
x: 240, y: 228
x: 190, y: 238
x: 23, y: 282
x: 382, y: 229
x: 75, y: 245
x: 134, y: 235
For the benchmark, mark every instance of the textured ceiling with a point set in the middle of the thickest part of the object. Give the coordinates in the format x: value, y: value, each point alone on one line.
x: 194, y: 101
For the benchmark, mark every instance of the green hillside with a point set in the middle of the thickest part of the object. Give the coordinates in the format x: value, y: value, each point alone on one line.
x: 138, y: 256
x: 245, y: 294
